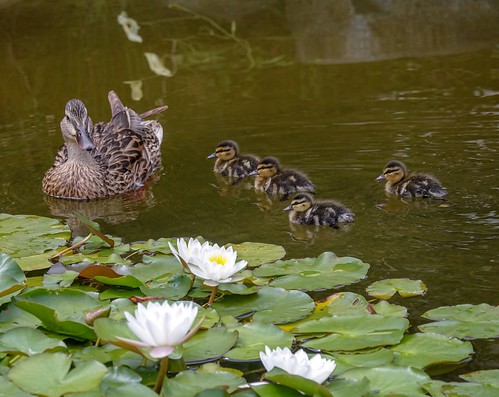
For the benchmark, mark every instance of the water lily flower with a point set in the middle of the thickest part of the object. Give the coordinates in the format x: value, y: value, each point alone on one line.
x: 317, y: 368
x: 187, y: 251
x: 216, y: 265
x: 161, y: 326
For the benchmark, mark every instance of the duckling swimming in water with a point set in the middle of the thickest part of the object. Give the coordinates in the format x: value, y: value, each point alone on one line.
x: 400, y: 182
x: 230, y: 163
x: 272, y: 179
x: 304, y: 210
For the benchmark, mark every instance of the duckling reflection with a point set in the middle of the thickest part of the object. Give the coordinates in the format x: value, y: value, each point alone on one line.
x: 112, y: 210
x: 230, y: 163
x: 272, y: 179
x: 403, y: 184
x: 306, y: 211
x: 231, y: 187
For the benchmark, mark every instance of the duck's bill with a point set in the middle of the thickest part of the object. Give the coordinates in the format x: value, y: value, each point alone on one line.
x: 380, y: 178
x: 211, y: 156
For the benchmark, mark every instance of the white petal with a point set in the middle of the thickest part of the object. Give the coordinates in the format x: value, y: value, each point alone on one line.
x: 161, y: 351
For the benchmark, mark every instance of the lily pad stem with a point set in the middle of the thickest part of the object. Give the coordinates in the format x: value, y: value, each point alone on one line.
x: 213, y: 294
x: 73, y: 247
x: 163, y: 367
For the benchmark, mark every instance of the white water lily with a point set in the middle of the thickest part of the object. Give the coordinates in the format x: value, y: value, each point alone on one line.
x: 216, y: 265
x: 186, y: 252
x: 161, y: 326
x: 317, y: 368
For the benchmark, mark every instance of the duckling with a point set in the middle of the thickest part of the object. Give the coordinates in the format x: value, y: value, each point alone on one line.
x: 304, y: 210
x: 230, y: 163
x: 105, y: 159
x: 400, y: 182
x: 272, y: 179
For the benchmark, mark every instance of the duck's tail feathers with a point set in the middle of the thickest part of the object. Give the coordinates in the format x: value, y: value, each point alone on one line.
x: 115, y: 103
x: 153, y: 111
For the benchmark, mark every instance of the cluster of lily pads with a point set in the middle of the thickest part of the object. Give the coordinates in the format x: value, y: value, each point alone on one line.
x: 112, y: 318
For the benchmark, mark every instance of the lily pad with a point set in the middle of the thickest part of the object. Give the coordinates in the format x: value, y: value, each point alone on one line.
x: 159, y: 245
x: 460, y: 389
x: 464, y: 321
x: 349, y: 387
x: 175, y: 288
x: 385, y: 289
x: 391, y: 380
x: 189, y: 383
x: 209, y: 344
x: 274, y: 390
x: 9, y: 389
x: 306, y: 386
x: 26, y: 235
x: 12, y: 278
x: 50, y: 375
x: 61, y: 311
x: 35, y: 262
x: 487, y: 377
x: 310, y: 274
x: 253, y: 338
x: 353, y: 332
x: 271, y: 305
x: 28, y: 341
x: 423, y: 350
x: 355, y: 359
x: 258, y: 253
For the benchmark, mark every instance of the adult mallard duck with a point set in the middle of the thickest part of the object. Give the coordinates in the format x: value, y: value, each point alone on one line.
x: 400, y: 182
x: 105, y: 159
x: 230, y: 163
x: 272, y: 179
x: 306, y: 211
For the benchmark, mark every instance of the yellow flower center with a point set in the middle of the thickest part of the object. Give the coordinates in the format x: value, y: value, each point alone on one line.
x: 218, y: 259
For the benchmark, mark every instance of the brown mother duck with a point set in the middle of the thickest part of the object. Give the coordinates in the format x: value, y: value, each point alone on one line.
x: 232, y: 164
x: 105, y: 159
x: 400, y: 182
x: 272, y: 179
x: 305, y: 210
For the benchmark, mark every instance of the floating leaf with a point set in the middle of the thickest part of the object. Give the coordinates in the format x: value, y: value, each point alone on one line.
x: 464, y: 321
x: 271, y: 305
x: 160, y: 245
x: 353, y: 332
x: 209, y: 344
x: 12, y: 278
x: 423, y: 350
x: 123, y: 382
x: 385, y: 289
x: 349, y: 387
x: 9, y: 389
x: 123, y: 281
x: 487, y: 377
x: 324, y: 272
x: 354, y: 359
x: 274, y: 390
x: 189, y: 383
x: 61, y: 311
x: 306, y: 386
x: 50, y: 375
x: 391, y: 380
x: 26, y: 235
x: 258, y: 253
x: 254, y: 337
x: 460, y: 389
x: 28, y: 341
x: 175, y: 288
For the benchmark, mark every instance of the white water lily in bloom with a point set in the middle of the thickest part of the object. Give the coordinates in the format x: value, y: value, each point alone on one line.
x: 161, y: 326
x: 187, y: 251
x: 317, y: 368
x: 216, y: 265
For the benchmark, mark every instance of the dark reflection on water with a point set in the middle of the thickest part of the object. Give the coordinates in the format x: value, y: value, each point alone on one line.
x: 431, y: 102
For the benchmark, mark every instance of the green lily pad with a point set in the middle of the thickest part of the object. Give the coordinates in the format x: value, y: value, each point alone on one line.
x: 353, y: 332
x: 274, y: 390
x: 155, y: 267
x: 50, y: 375
x: 209, y: 344
x: 385, y: 289
x: 9, y: 389
x: 310, y: 274
x: 464, y: 321
x: 189, y: 383
x: 61, y: 311
x: 258, y: 253
x: 123, y: 382
x: 306, y: 386
x: 123, y: 281
x: 13, y: 317
x: 355, y: 359
x: 423, y: 350
x: 253, y: 338
x: 26, y: 235
x: 349, y: 387
x: 460, y: 389
x: 12, y: 278
x: 271, y: 305
x: 391, y: 380
x: 35, y: 262
x: 174, y: 288
x: 389, y: 309
x: 160, y: 245
x: 487, y: 377
x: 28, y: 341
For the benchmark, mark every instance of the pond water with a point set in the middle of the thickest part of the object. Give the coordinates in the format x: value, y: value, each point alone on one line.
x: 335, y: 90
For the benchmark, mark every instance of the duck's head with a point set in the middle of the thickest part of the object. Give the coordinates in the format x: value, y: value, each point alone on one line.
x: 300, y: 203
x: 225, y: 150
x: 76, y: 124
x: 267, y: 168
x: 393, y: 172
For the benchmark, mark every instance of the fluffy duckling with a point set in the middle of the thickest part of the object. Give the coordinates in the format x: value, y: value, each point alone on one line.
x: 230, y: 163
x: 304, y: 210
x: 272, y: 179
x: 400, y: 182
